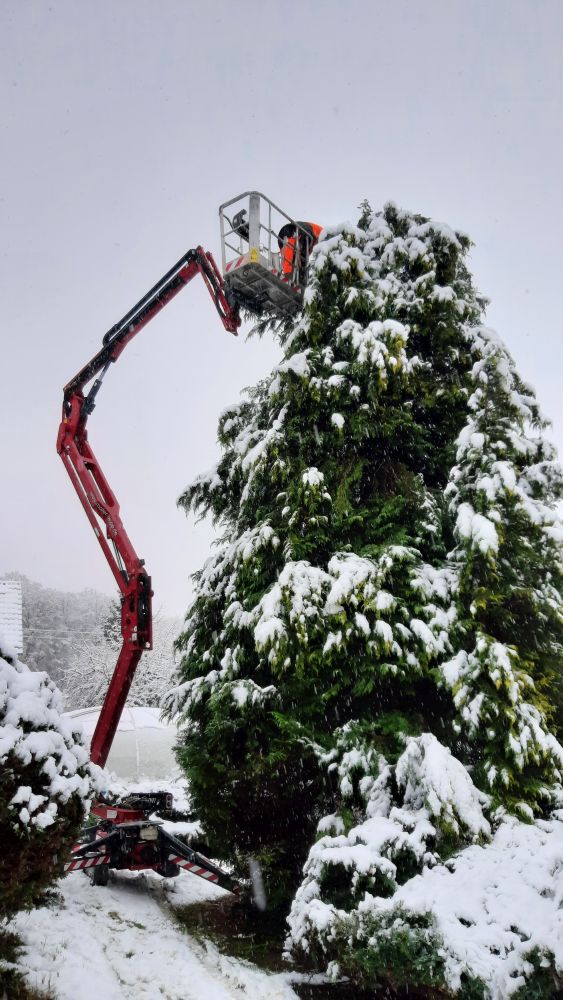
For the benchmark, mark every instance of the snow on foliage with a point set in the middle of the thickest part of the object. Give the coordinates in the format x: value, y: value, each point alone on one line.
x: 46, y: 780
x: 497, y: 907
x: 34, y: 730
x: 502, y: 495
x: 405, y: 808
x: 493, y: 913
x: 374, y: 649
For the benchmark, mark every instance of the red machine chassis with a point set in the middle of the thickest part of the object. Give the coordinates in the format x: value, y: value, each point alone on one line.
x: 138, y: 845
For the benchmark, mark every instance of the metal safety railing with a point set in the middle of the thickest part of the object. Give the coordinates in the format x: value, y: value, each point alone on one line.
x: 252, y: 227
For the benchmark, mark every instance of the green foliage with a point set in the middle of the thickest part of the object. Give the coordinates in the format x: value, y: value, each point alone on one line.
x: 388, y: 569
x: 542, y: 983
x: 408, y: 957
x: 502, y: 497
x: 31, y: 860
x: 44, y: 781
x: 258, y: 786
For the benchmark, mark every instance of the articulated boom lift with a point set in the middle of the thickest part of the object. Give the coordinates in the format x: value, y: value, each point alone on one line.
x: 257, y: 278
x: 96, y: 495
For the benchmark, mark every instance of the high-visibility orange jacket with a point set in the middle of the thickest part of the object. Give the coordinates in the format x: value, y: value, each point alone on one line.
x: 309, y: 233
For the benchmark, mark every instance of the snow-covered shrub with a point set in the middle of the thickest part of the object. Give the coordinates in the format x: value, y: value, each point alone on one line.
x: 487, y: 923
x: 410, y: 884
x: 46, y: 782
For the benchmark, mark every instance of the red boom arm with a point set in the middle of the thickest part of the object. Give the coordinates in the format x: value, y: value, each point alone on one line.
x: 95, y: 493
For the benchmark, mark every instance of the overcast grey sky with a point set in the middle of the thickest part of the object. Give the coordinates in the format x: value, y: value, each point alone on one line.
x: 125, y: 124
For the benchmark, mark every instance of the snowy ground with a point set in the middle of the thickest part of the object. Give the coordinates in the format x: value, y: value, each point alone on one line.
x: 122, y: 942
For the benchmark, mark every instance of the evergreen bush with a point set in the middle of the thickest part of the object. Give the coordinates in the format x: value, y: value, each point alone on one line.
x: 46, y: 783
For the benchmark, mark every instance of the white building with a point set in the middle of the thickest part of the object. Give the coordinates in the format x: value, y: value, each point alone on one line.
x: 11, y: 617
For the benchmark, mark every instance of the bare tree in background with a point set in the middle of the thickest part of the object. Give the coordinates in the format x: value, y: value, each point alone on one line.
x: 94, y: 656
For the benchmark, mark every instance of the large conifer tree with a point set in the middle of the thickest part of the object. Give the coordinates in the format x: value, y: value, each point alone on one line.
x: 380, y: 629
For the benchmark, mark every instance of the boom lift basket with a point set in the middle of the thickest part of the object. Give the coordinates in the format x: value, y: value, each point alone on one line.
x: 263, y: 271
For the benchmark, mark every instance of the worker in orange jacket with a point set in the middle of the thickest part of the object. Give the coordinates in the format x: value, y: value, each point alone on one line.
x: 307, y: 233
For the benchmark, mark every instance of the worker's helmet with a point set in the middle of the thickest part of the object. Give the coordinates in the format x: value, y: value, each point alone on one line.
x: 285, y: 233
